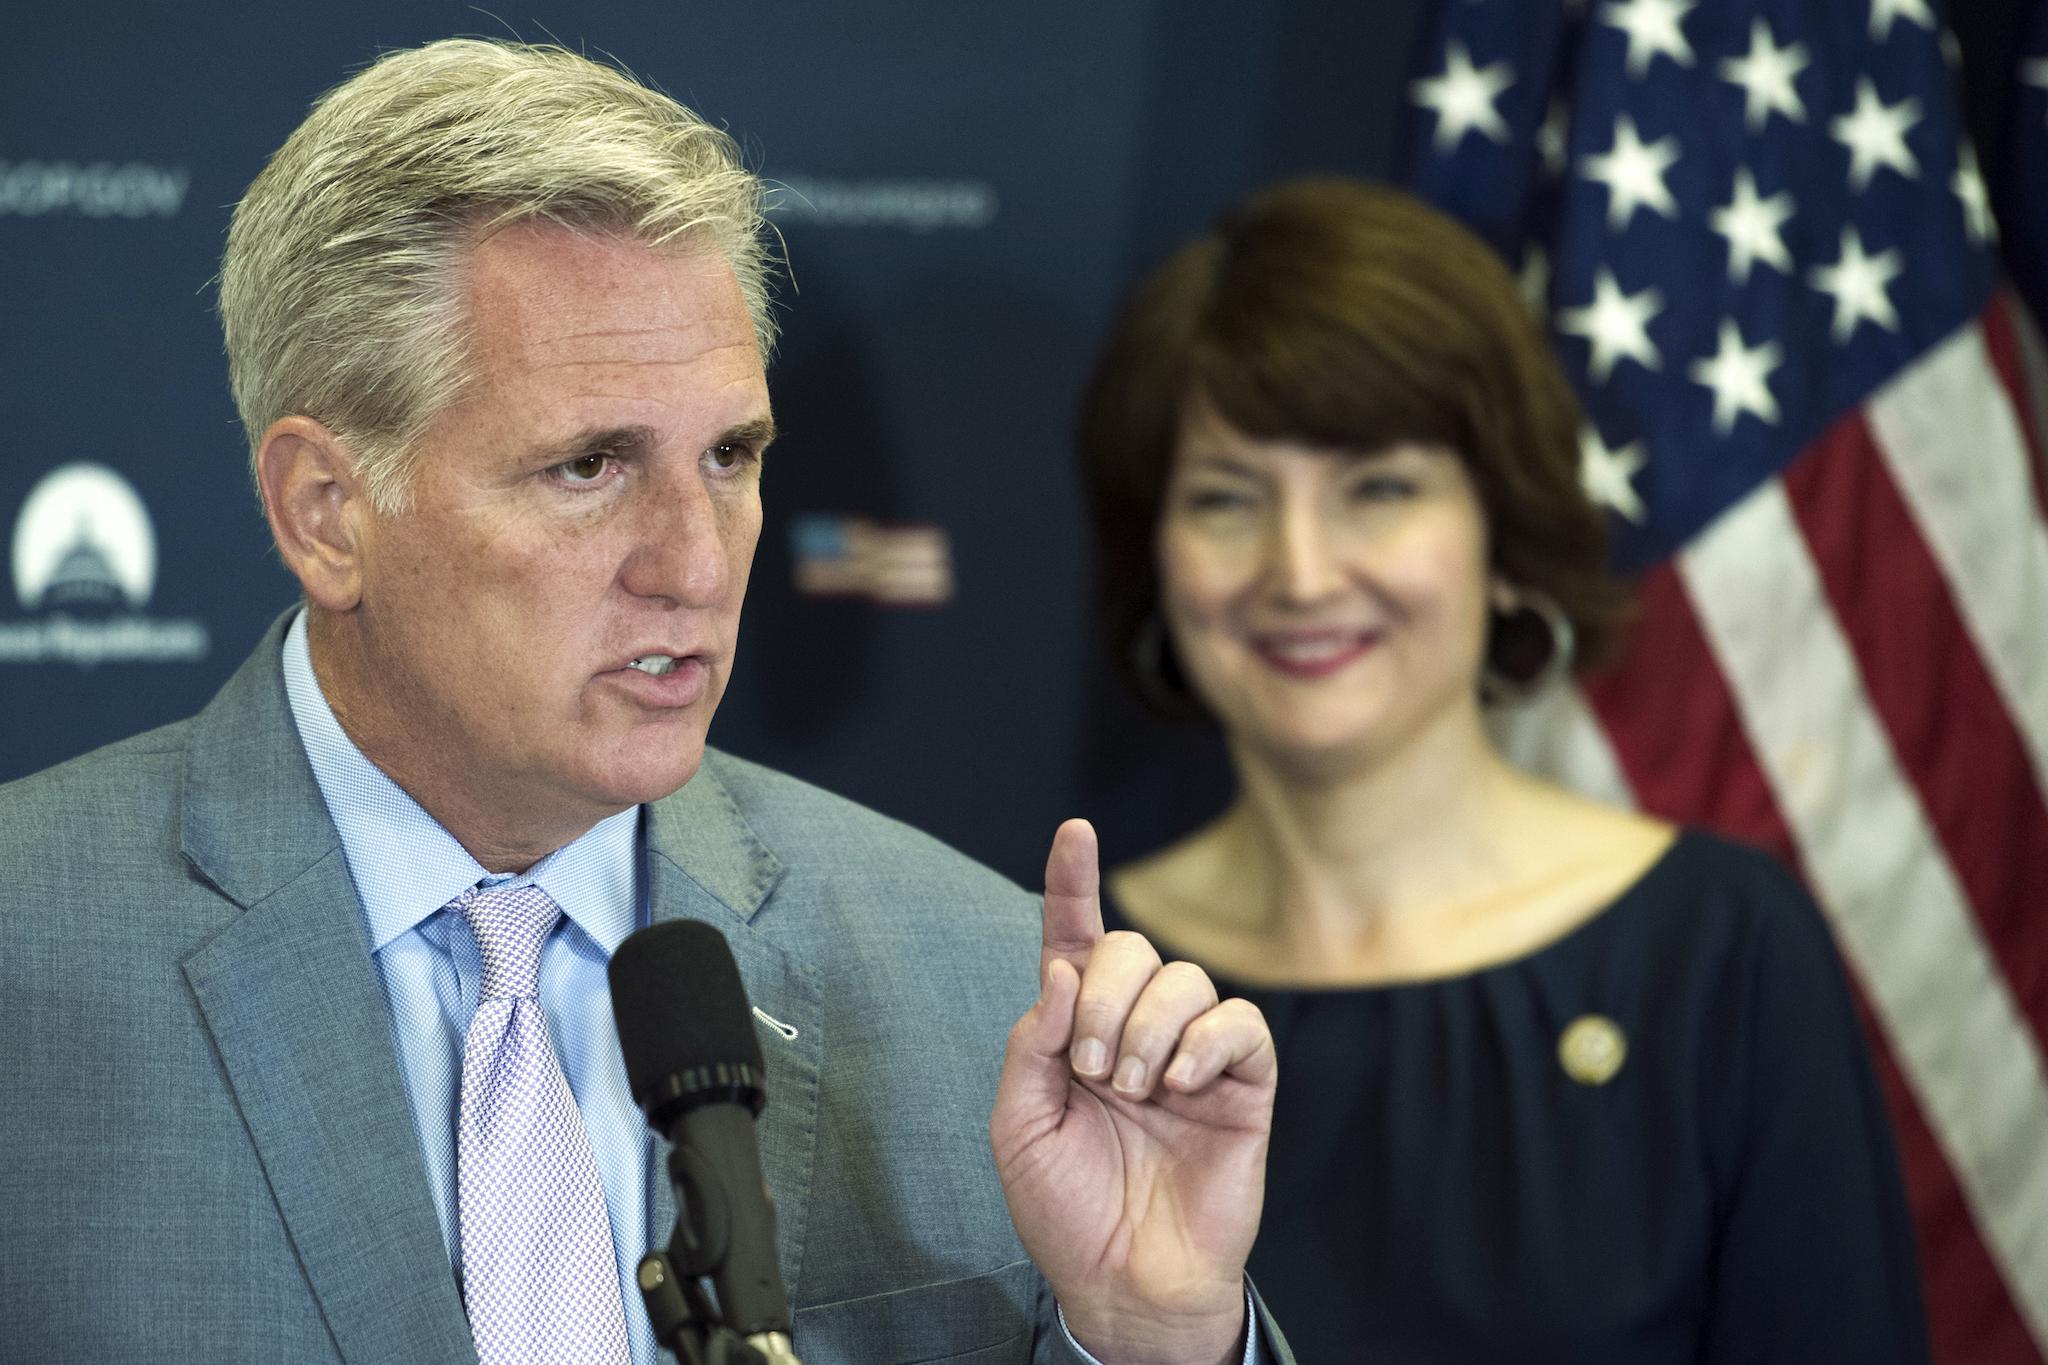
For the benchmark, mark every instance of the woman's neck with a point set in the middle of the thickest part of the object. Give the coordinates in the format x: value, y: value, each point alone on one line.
x: 1430, y: 860
x: 1342, y: 851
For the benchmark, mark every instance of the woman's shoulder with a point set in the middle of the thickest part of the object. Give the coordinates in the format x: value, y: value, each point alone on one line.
x: 1710, y: 879
x: 1724, y: 862
x: 1721, y: 929
x: 1700, y: 873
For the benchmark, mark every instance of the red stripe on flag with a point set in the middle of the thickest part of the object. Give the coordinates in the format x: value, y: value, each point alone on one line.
x: 1999, y: 325
x: 1675, y: 728
x: 1951, y: 730
x: 1677, y: 732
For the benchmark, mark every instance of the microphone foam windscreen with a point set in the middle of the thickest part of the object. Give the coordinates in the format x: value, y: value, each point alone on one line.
x: 679, y: 1003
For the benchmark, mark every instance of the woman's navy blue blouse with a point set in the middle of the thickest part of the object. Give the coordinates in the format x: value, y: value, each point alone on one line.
x: 1655, y: 1140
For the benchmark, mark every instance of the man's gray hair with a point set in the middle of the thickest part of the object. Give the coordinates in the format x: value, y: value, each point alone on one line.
x: 341, y: 291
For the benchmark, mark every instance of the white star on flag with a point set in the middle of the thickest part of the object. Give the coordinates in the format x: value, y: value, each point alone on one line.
x: 1608, y: 473
x: 1652, y: 27
x: 1750, y: 223
x: 1857, y: 283
x: 1463, y: 97
x: 1739, y: 376
x: 1616, y: 324
x: 1766, y: 75
x: 1634, y: 174
x: 1968, y: 186
x: 1883, y: 12
x: 1875, y: 134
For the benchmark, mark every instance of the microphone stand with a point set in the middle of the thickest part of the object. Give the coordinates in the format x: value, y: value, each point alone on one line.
x: 685, y: 1322
x: 674, y: 1283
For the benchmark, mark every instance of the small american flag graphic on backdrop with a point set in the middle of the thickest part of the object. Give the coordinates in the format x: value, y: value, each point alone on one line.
x: 1766, y: 254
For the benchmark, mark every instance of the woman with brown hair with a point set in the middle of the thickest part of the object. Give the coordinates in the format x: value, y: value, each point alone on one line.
x: 1559, y: 1081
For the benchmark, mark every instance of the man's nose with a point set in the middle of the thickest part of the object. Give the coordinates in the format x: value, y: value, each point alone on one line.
x: 682, y: 543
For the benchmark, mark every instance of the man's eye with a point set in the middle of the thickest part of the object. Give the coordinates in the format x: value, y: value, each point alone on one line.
x: 584, y: 468
x: 1216, y: 499
x: 729, y: 455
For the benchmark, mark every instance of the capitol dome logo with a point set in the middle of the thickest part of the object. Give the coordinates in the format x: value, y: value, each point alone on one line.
x: 83, y: 538
x: 85, y: 562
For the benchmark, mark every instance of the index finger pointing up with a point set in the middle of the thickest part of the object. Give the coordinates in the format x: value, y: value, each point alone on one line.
x: 1073, y: 897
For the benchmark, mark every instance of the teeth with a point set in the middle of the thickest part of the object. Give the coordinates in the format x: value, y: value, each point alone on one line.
x: 656, y: 664
x: 1312, y: 651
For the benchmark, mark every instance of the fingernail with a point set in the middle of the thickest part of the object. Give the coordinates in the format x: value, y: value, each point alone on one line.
x: 1130, y: 1075
x: 1091, y: 1058
x: 1182, y: 1071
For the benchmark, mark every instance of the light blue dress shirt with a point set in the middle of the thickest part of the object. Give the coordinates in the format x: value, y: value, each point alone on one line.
x: 407, y: 870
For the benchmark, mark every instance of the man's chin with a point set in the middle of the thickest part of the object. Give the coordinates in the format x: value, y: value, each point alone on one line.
x: 638, y: 778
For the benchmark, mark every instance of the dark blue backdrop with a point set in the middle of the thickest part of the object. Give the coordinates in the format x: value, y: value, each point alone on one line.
x: 982, y: 183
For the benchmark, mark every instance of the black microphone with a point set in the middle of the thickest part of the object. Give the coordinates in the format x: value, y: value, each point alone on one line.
x: 694, y: 1063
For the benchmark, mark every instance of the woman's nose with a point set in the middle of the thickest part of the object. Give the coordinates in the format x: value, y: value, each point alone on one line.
x: 1303, y: 563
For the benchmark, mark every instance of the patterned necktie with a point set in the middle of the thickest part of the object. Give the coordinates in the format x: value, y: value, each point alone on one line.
x: 539, y: 1274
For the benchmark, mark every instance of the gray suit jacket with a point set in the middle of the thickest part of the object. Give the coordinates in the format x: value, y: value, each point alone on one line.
x: 206, y: 1151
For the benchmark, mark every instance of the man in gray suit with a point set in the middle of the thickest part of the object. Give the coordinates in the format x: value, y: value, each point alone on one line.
x: 496, y: 320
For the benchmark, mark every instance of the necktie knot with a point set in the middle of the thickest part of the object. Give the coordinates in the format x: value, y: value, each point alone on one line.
x: 510, y: 924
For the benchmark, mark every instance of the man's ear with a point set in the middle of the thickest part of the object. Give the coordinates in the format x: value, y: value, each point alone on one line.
x: 316, y: 503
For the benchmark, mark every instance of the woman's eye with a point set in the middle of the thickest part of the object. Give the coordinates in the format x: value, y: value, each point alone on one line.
x: 1216, y: 499
x: 1382, y: 488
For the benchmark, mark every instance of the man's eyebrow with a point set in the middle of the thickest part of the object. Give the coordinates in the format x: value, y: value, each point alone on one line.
x: 589, y: 440
x: 627, y: 439
x: 758, y: 432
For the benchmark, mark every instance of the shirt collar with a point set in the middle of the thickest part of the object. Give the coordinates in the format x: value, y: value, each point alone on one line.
x: 406, y: 866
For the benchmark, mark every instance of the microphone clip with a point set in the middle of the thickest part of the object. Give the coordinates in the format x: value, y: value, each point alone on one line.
x: 685, y: 1323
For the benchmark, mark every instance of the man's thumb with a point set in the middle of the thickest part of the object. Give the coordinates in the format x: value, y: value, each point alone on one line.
x: 1036, y: 1072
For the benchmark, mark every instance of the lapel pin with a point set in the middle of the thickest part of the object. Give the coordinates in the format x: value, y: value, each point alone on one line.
x: 1592, y: 1049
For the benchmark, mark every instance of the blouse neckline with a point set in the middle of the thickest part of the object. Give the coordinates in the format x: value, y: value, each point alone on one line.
x: 1642, y: 888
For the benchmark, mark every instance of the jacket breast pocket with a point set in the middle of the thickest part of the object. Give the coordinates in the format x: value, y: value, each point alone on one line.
x: 977, y: 1320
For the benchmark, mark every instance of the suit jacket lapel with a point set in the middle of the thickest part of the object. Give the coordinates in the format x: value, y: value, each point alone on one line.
x: 704, y: 862
x: 291, y: 997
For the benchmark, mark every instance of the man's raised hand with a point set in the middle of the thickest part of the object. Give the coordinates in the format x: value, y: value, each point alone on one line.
x: 1130, y: 1132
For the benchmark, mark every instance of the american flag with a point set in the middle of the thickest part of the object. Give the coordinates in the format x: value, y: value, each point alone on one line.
x: 1764, y: 248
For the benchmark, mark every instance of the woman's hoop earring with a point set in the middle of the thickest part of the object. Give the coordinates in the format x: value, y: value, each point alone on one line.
x: 1508, y: 635
x: 1153, y: 665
